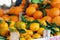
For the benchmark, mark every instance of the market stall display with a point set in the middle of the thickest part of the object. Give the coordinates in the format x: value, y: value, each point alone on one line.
x: 31, y: 20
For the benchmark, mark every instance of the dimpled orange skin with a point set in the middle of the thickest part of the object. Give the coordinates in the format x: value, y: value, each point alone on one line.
x: 56, y: 20
x: 47, y: 18
x: 54, y: 12
x: 30, y: 11
x: 38, y: 15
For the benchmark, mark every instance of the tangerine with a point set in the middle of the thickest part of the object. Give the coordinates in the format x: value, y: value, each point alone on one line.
x: 30, y: 11
x: 56, y: 20
x: 54, y: 12
x: 47, y: 18
x: 38, y: 15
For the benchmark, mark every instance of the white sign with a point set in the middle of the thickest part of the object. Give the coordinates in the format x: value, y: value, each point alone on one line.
x: 14, y: 36
x: 55, y: 38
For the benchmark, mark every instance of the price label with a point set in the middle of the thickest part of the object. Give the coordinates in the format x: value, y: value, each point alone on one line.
x: 14, y: 36
x: 55, y: 38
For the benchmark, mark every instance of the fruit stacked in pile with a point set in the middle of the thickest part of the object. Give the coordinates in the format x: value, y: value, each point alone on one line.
x: 39, y: 15
x: 48, y: 11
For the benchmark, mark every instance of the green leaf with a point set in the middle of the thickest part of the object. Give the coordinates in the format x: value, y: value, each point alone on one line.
x: 23, y: 19
x: 0, y: 21
x: 41, y: 25
x: 12, y: 30
x: 48, y: 6
x: 2, y: 38
x: 41, y: 1
x: 22, y: 31
x: 35, y: 1
x: 48, y: 23
x: 28, y: 26
x: 35, y: 21
x: 53, y: 25
x: 8, y: 22
x: 45, y: 6
x: 44, y: 13
x: 53, y: 31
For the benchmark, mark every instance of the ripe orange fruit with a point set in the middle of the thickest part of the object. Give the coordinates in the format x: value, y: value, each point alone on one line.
x: 1, y: 18
x: 45, y: 1
x: 34, y: 5
x: 54, y: 12
x: 26, y: 16
x: 47, y: 11
x: 6, y: 17
x: 53, y: 2
x: 1, y: 12
x: 15, y: 10
x: 30, y: 11
x: 18, y: 10
x: 56, y: 20
x: 14, y: 18
x: 47, y: 18
x: 11, y: 10
x: 38, y: 15
x: 30, y: 18
x: 57, y: 5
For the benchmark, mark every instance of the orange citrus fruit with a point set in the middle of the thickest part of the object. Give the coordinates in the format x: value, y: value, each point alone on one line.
x: 33, y: 5
x: 30, y: 11
x: 6, y: 17
x: 47, y: 11
x: 47, y: 18
x: 1, y: 12
x: 57, y: 5
x: 30, y: 18
x: 38, y: 15
x: 56, y: 20
x: 53, y: 2
x: 14, y: 18
x: 11, y: 10
x: 18, y: 10
x: 54, y: 12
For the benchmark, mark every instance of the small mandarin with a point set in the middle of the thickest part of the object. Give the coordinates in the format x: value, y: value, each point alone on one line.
x: 38, y: 15
x: 34, y: 5
x: 47, y: 18
x: 56, y: 20
x: 54, y: 12
x: 30, y: 11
